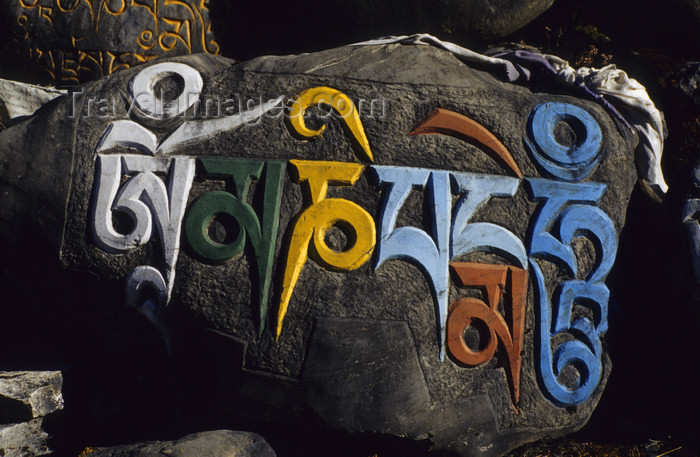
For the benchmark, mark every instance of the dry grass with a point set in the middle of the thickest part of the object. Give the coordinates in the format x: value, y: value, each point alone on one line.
x: 568, y: 448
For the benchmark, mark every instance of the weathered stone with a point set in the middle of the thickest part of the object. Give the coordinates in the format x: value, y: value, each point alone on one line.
x: 75, y: 41
x: 440, y: 250
x: 215, y: 443
x: 23, y: 440
x: 26, y: 395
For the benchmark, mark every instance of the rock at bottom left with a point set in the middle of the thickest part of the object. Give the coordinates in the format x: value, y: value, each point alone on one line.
x: 26, y: 398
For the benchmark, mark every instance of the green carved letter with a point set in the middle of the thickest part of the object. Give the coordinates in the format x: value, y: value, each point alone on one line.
x: 260, y: 231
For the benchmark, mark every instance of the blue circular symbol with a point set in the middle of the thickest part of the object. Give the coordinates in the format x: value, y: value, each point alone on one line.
x: 565, y: 140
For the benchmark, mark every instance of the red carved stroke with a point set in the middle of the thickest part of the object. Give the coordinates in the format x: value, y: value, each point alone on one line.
x: 497, y: 281
x: 445, y: 122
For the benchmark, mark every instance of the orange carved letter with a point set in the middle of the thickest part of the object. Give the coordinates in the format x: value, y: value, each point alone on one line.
x: 496, y: 281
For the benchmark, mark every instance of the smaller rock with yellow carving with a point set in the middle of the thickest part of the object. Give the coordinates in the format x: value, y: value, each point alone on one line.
x: 73, y: 41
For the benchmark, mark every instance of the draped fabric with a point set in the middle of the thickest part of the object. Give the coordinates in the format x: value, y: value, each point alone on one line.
x: 624, y: 97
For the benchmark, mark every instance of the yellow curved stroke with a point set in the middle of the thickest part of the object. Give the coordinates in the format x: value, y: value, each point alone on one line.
x: 341, y: 104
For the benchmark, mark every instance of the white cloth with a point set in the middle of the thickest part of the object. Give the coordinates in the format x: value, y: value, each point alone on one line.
x: 628, y: 95
x: 20, y: 99
x: 640, y: 113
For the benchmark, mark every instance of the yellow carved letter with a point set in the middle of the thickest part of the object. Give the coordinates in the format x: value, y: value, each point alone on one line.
x: 321, y: 215
x: 341, y: 104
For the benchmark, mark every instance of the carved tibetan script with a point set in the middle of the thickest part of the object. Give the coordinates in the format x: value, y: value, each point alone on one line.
x: 78, y: 40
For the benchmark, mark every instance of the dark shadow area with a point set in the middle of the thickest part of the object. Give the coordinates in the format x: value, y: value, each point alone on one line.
x: 119, y: 384
x: 249, y: 29
x: 653, y: 327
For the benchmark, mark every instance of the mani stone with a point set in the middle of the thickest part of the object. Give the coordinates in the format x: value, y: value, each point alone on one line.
x: 72, y: 41
x: 422, y: 255
x: 216, y: 443
x: 26, y: 395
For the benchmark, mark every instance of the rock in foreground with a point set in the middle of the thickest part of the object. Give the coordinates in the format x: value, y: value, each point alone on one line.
x: 217, y: 443
x: 26, y: 395
x: 24, y: 439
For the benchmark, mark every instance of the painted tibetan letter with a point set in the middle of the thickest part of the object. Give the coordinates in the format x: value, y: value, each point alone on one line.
x: 567, y: 211
x: 321, y: 215
x: 428, y: 252
x: 261, y: 231
x: 145, y: 201
x: 497, y: 282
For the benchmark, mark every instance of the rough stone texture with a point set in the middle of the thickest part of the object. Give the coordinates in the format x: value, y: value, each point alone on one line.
x: 48, y: 165
x: 386, y: 348
x: 372, y: 330
x: 26, y: 395
x: 23, y: 440
x: 219, y: 443
x: 76, y: 41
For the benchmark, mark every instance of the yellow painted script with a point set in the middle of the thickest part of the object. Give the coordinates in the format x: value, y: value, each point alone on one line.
x: 320, y: 216
x: 343, y: 106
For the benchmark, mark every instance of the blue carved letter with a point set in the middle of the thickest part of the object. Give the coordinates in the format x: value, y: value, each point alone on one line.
x: 475, y: 191
x: 569, y: 162
x: 567, y: 211
x: 429, y: 253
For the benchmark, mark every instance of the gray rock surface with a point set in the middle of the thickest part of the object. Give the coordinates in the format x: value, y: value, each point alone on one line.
x: 219, y: 443
x: 23, y: 440
x: 26, y: 395
x: 19, y: 99
x: 359, y: 350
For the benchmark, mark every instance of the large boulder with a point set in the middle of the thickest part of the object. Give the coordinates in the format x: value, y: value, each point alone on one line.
x: 75, y: 41
x: 423, y: 255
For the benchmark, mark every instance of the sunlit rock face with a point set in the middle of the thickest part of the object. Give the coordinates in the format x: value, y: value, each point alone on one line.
x: 372, y: 239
